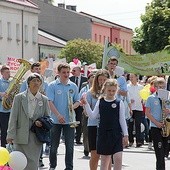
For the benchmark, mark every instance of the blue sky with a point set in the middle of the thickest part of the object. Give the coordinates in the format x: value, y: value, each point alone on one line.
x: 123, y: 12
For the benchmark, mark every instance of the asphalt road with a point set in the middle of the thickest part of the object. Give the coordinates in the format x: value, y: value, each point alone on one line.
x: 133, y: 159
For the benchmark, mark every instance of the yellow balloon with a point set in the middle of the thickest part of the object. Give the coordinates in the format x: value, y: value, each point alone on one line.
x: 145, y: 92
x: 4, y: 156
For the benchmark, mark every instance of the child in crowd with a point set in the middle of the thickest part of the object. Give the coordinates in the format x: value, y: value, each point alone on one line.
x: 154, y: 113
x: 112, y: 129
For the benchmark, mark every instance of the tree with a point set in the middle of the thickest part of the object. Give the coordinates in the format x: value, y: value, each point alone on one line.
x: 153, y: 35
x: 85, y: 50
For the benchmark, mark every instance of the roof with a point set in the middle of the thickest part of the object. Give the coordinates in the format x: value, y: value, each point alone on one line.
x: 27, y: 3
x: 50, y: 40
x: 103, y: 21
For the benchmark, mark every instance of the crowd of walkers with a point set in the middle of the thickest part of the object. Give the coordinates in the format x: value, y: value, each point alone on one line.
x: 109, y: 108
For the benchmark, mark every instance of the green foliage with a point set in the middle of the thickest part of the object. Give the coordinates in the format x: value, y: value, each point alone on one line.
x: 153, y: 35
x: 85, y: 50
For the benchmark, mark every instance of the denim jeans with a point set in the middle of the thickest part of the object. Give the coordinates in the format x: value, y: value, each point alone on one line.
x: 69, y: 144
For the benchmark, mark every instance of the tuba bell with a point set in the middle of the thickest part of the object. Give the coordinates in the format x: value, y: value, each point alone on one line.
x: 13, y: 88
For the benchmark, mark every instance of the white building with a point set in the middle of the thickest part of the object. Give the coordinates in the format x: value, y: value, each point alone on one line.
x: 18, y: 30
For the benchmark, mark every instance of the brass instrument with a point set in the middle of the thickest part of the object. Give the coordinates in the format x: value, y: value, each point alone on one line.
x: 165, y: 120
x: 13, y: 88
x: 72, y: 116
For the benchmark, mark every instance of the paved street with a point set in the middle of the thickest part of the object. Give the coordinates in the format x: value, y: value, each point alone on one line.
x: 133, y: 159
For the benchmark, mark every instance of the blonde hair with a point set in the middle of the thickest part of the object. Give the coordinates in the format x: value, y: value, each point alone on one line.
x: 108, y: 82
x: 95, y: 89
x: 152, y: 79
x: 158, y: 81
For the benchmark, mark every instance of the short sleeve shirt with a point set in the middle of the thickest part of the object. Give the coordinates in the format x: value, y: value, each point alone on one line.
x: 4, y: 84
x: 153, y: 103
x: 58, y: 94
x: 92, y: 102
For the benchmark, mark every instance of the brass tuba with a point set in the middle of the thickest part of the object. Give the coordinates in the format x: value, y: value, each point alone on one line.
x: 13, y: 88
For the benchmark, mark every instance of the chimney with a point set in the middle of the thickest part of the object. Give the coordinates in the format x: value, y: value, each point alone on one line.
x: 61, y: 5
x: 71, y: 7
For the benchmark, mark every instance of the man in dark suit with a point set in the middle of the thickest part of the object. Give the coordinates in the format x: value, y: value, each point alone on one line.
x: 78, y: 79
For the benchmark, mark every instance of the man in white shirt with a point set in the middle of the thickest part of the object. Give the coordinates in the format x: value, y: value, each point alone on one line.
x: 137, y: 109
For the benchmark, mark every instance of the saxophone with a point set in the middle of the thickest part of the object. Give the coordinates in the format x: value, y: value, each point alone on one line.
x: 165, y: 120
x: 14, y: 86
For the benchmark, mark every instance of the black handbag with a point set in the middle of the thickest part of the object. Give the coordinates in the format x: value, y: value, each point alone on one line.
x: 43, y: 133
x: 47, y: 122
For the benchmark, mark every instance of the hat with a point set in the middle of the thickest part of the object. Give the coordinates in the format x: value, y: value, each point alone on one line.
x: 32, y: 76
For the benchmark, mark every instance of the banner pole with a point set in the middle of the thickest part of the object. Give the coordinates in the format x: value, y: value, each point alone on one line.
x: 105, y: 54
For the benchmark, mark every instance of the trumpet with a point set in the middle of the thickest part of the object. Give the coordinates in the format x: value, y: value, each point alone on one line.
x: 72, y: 116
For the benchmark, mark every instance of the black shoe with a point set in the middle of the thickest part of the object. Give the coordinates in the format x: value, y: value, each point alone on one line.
x: 41, y: 164
x: 138, y: 145
x: 79, y: 143
x: 86, y: 153
x: 130, y: 144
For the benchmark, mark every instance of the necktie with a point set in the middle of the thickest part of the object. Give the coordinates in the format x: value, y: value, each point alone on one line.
x: 77, y: 81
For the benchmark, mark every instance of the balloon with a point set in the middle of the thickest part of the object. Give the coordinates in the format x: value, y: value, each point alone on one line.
x: 17, y: 160
x: 142, y: 127
x: 4, y: 156
x: 5, y: 168
x: 145, y: 92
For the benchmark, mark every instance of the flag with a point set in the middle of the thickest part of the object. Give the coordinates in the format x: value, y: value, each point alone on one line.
x: 109, y: 51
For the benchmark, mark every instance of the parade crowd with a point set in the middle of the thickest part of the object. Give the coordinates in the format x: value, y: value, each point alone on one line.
x: 100, y: 110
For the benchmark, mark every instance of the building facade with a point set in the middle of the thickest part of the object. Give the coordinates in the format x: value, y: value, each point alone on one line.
x: 69, y: 24
x: 18, y: 30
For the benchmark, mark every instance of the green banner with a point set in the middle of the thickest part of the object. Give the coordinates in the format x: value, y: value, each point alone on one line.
x: 148, y: 64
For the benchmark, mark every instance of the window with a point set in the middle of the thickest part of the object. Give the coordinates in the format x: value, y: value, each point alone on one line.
x: 0, y: 29
x: 18, y: 33
x: 26, y: 33
x: 100, y: 38
x: 9, y: 31
x: 95, y: 37
x: 34, y: 40
x: 104, y: 39
x: 123, y: 44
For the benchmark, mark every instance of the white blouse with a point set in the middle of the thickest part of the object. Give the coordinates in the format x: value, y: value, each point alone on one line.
x: 32, y: 102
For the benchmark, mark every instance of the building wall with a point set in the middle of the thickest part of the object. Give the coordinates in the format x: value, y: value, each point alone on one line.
x: 125, y: 41
x: 100, y: 33
x: 114, y: 35
x: 13, y: 21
